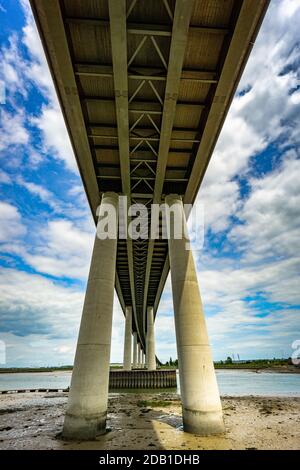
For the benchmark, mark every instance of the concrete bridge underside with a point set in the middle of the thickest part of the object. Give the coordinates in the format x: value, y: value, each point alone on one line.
x: 144, y: 86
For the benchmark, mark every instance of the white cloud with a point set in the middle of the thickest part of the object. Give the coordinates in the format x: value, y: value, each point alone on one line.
x: 12, y: 130
x: 264, y: 112
x: 11, y: 225
x: 50, y: 121
x: 236, y: 322
x: 56, y: 140
x: 276, y: 281
x: 268, y: 235
x: 271, y: 215
x: 44, y: 194
x: 37, y: 350
x: 34, y: 157
x: 220, y: 201
x: 75, y: 207
x: 288, y: 8
x: 12, y: 68
x: 40, y: 320
x: 62, y: 249
x: 30, y: 303
x: 38, y: 71
x: 19, y: 75
x: 5, y: 178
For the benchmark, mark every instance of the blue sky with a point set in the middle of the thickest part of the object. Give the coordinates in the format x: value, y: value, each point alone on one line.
x: 250, y: 264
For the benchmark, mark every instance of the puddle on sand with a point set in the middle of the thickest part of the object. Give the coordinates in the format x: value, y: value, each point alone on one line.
x: 172, y: 420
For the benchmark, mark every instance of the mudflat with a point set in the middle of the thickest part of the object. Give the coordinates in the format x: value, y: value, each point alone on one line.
x: 150, y: 421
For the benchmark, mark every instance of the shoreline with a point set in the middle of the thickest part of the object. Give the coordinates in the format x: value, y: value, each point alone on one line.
x: 280, y: 370
x: 34, y: 421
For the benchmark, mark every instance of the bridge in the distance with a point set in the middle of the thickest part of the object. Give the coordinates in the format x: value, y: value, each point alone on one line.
x: 144, y: 86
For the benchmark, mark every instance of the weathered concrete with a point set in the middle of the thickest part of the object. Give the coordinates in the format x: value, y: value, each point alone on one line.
x: 127, y: 339
x: 87, y: 403
x: 143, y: 360
x: 139, y: 356
x: 201, y: 405
x: 134, y: 361
x: 150, y: 346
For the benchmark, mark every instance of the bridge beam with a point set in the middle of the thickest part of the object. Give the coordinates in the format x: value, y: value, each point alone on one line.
x: 127, y: 339
x: 117, y: 23
x: 201, y: 405
x: 87, y: 402
x: 180, y: 31
x: 150, y: 341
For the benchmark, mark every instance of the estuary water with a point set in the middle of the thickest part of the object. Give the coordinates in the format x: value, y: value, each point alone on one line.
x: 231, y: 382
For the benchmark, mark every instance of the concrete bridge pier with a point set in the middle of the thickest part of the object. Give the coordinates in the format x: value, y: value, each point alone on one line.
x: 139, y: 356
x: 201, y: 405
x: 134, y: 361
x: 87, y: 402
x: 143, y: 360
x: 150, y: 341
x: 127, y: 339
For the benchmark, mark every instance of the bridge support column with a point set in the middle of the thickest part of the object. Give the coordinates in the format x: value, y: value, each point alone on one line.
x: 87, y: 402
x: 150, y: 341
x: 139, y: 356
x: 143, y: 360
x: 127, y: 339
x: 201, y: 405
x: 134, y: 364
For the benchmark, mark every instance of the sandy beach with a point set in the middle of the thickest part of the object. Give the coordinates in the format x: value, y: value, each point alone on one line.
x: 150, y: 421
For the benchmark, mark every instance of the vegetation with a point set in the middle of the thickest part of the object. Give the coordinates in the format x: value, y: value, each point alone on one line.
x: 252, y: 364
x: 171, y: 363
x: 229, y: 363
x: 154, y: 403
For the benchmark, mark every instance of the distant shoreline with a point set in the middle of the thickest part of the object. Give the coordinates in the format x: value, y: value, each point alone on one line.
x: 280, y: 370
x: 284, y: 369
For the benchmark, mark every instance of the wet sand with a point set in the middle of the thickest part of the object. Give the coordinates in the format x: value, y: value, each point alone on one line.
x: 149, y: 422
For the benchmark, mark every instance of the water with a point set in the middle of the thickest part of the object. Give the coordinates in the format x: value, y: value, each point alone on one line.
x: 242, y: 382
x: 231, y: 382
x: 27, y: 380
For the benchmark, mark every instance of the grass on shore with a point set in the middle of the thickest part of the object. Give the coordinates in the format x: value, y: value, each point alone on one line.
x: 153, y: 403
x: 251, y: 364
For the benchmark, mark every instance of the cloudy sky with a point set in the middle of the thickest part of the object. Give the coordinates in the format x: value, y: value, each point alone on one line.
x: 250, y: 264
